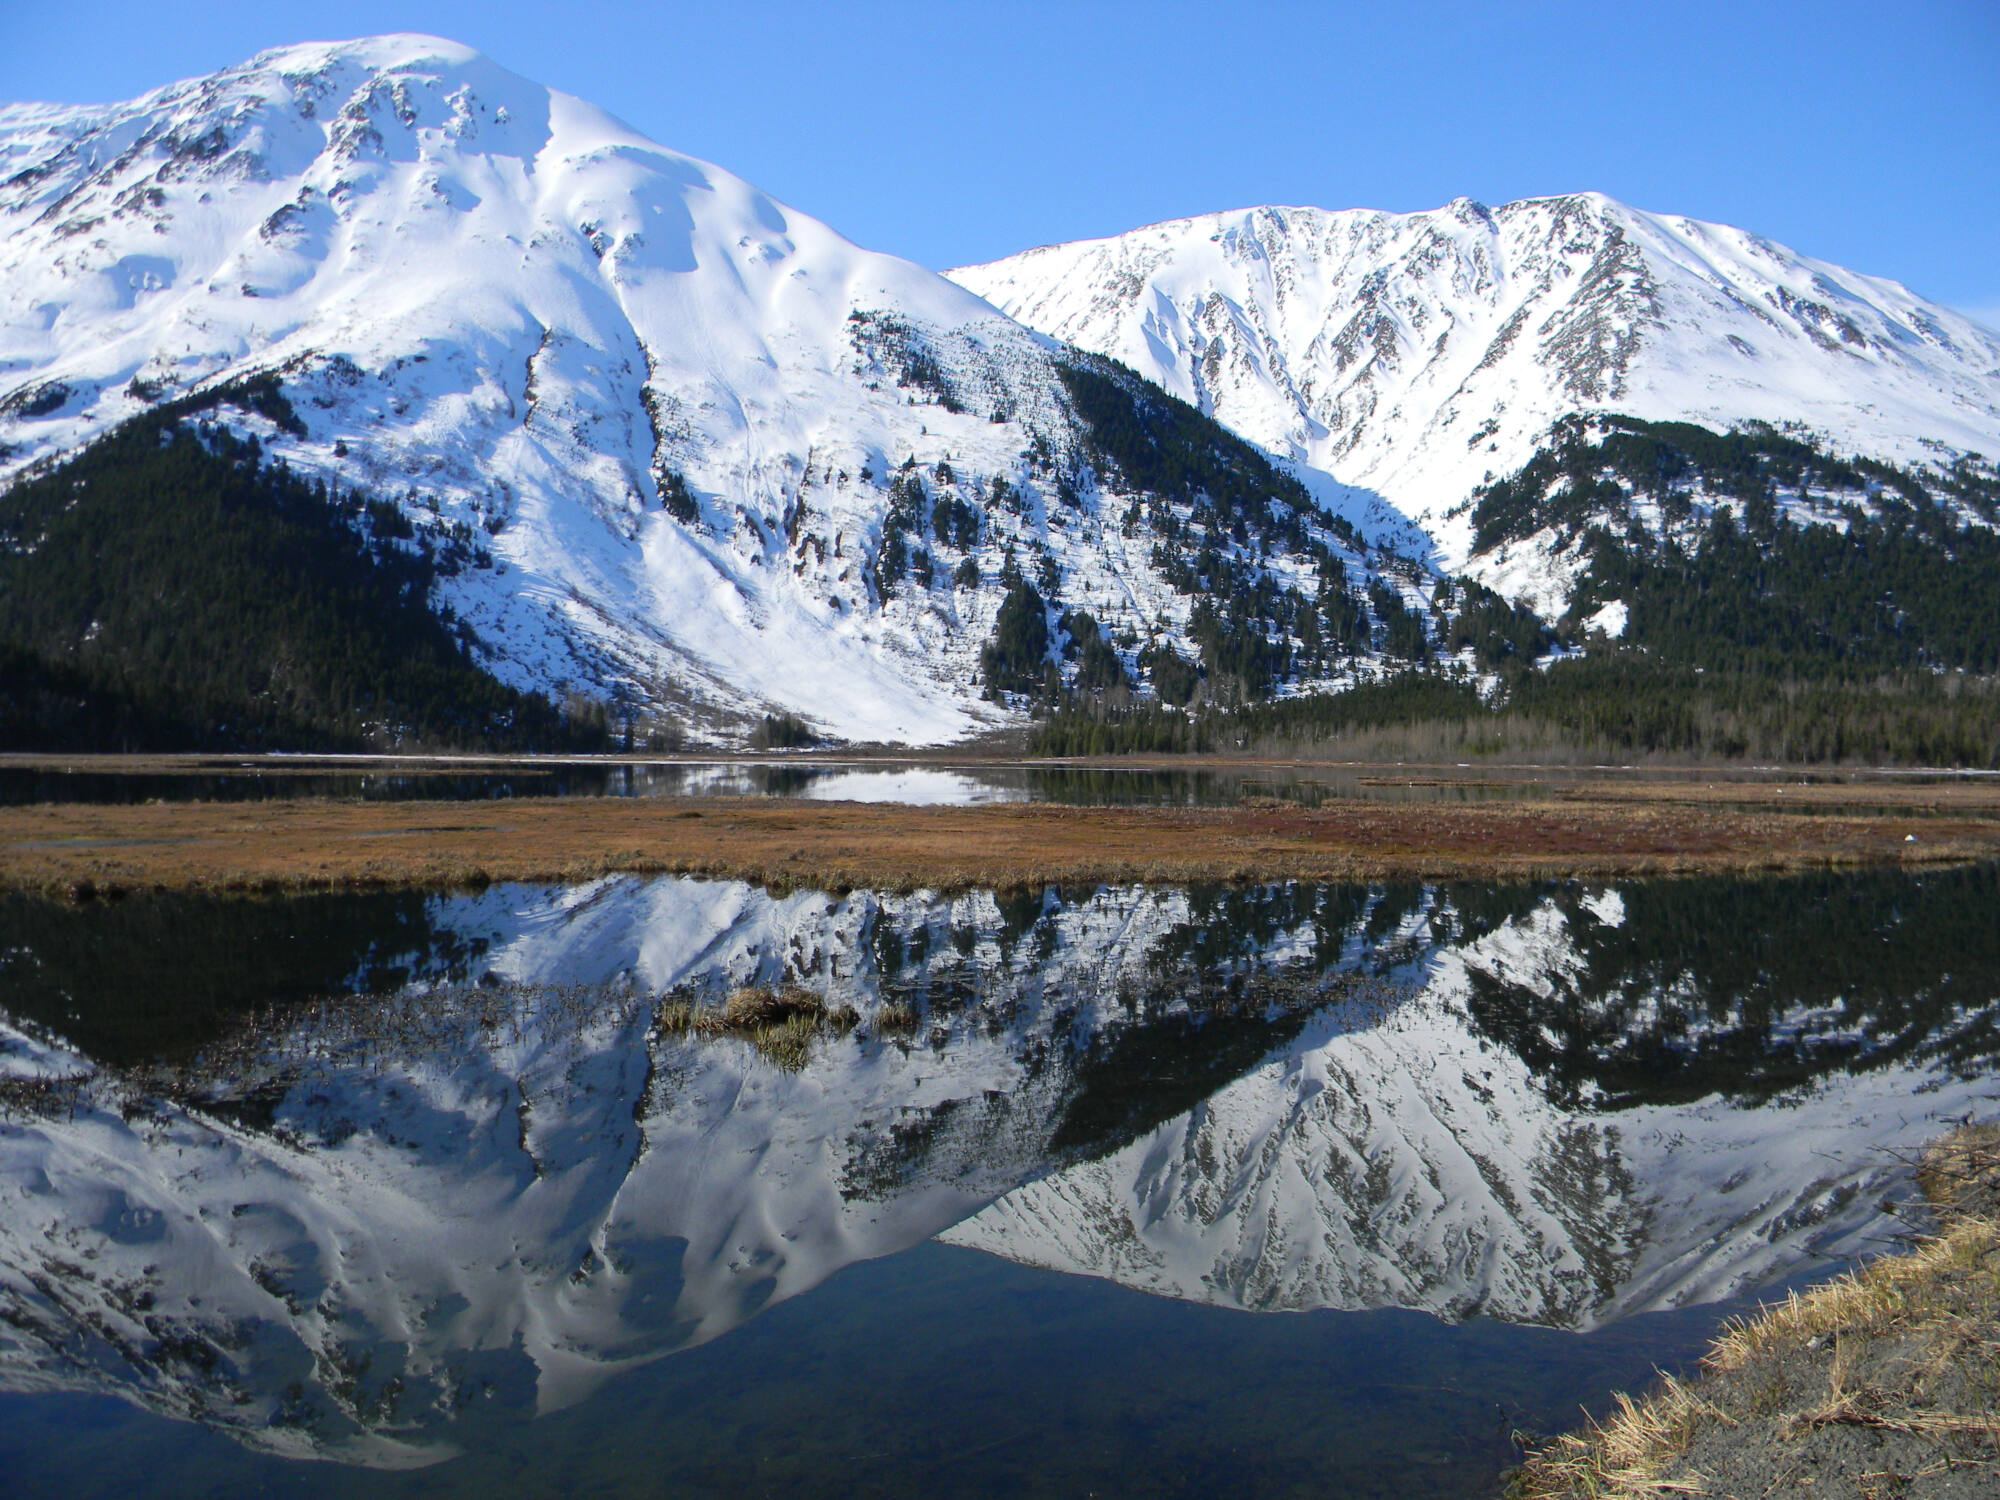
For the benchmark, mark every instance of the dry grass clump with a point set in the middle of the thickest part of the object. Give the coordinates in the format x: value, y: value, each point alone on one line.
x: 1960, y: 1174
x: 894, y: 1018
x: 787, y: 1044
x: 759, y: 1005
x: 1884, y: 1382
x: 1626, y: 1454
x: 781, y: 1023
x: 687, y: 1017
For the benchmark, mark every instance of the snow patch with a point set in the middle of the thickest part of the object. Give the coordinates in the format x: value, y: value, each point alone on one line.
x: 1608, y: 619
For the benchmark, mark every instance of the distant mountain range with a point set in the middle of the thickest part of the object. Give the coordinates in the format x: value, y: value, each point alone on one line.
x: 697, y: 465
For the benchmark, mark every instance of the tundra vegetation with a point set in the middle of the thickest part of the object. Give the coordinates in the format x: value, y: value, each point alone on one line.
x: 1589, y: 828
x: 781, y: 1023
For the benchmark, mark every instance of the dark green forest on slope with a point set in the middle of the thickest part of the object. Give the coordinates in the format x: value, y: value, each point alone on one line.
x: 168, y: 588
x: 1750, y: 633
x: 172, y: 588
x: 1903, y: 574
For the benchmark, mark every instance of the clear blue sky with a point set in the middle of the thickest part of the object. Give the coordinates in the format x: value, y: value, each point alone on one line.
x: 1867, y: 134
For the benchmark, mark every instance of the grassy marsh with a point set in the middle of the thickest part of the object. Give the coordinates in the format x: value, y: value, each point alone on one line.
x: 1590, y: 829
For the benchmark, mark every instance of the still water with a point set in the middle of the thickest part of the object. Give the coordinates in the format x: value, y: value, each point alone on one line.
x: 914, y: 783
x: 1126, y: 1190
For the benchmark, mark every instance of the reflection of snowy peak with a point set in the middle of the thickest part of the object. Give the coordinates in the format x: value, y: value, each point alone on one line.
x: 1397, y: 1165
x: 344, y: 1221
x: 674, y: 411
x: 1414, y: 354
x: 1412, y: 1163
x: 352, y: 1219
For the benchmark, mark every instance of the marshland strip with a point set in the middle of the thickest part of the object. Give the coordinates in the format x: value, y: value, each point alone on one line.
x: 1576, y: 826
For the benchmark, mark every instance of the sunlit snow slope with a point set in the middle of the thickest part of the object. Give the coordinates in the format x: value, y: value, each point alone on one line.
x: 671, y: 407
x: 1414, y: 355
x: 711, y: 459
x: 484, y: 288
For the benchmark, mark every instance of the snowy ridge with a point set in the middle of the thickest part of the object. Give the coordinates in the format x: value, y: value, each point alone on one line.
x: 345, y: 1223
x: 671, y: 407
x: 482, y: 287
x: 707, y: 452
x: 1414, y: 355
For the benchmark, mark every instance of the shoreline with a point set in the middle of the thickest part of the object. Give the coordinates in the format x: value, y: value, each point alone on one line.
x: 1885, y: 1381
x: 212, y: 762
x: 81, y: 849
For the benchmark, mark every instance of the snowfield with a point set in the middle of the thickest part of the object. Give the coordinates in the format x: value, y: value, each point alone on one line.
x: 501, y: 307
x: 675, y: 411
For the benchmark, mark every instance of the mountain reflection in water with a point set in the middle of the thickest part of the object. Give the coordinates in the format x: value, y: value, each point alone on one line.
x: 367, y: 1228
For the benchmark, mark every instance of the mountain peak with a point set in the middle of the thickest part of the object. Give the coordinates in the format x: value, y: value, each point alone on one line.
x: 494, y: 295
x: 718, y: 460
x: 383, y: 52
x: 724, y: 461
x: 1413, y: 354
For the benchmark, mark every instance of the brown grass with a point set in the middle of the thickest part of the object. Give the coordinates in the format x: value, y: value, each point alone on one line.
x: 1903, y: 1348
x: 1962, y: 798
x: 782, y: 1024
x: 895, y: 1018
x: 1593, y: 831
x: 758, y: 1005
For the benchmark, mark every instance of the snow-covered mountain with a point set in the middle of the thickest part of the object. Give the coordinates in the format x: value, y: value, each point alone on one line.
x: 1416, y: 355
x: 339, y: 1220
x: 694, y: 455
x: 528, y: 1185
x: 703, y: 436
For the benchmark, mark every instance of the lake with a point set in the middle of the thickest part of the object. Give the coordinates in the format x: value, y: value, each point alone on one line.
x: 1262, y: 1190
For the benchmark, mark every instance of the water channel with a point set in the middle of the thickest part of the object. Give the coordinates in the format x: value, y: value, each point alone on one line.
x: 962, y: 785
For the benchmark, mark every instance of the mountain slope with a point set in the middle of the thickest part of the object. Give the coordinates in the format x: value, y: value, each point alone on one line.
x: 704, y: 436
x: 166, y: 588
x: 1754, y: 547
x: 1419, y: 355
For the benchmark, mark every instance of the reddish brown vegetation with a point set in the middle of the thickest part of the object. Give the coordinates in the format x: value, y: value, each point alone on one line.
x: 1585, y: 830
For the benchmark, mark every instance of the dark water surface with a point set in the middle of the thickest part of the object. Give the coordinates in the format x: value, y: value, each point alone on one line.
x: 944, y: 1371
x: 219, y: 779
x: 1235, y: 1190
x: 959, y: 785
